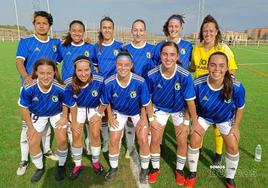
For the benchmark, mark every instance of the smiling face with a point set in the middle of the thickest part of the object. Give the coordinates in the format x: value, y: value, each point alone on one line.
x: 217, y: 67
x: 138, y: 32
x: 169, y: 57
x: 45, y: 75
x: 77, y: 33
x: 174, y: 28
x: 209, y: 33
x: 107, y: 30
x: 41, y: 26
x: 83, y: 71
x: 124, y: 66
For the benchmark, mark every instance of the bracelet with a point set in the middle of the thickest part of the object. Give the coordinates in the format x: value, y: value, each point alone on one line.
x: 151, y: 119
x: 186, y: 122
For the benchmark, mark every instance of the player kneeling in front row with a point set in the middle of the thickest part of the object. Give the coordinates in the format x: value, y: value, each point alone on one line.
x: 45, y: 101
x: 85, y: 89
x: 126, y: 95
x: 220, y: 100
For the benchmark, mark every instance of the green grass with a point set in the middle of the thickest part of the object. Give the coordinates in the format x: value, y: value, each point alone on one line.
x: 252, y: 73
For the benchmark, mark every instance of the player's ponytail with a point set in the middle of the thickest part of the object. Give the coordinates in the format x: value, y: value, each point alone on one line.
x: 46, y: 61
x: 68, y: 39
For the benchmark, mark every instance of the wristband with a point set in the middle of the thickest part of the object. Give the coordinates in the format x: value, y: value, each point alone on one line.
x: 186, y: 122
x: 151, y: 119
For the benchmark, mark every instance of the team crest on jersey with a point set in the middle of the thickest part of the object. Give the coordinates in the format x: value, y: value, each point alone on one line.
x: 115, y: 95
x: 75, y: 96
x: 133, y: 94
x: 94, y: 93
x: 177, y: 86
x: 86, y: 53
x: 54, y: 48
x: 183, y: 51
x: 228, y: 101
x: 37, y: 49
x: 148, y: 54
x: 69, y: 53
x: 55, y: 98
x: 116, y: 52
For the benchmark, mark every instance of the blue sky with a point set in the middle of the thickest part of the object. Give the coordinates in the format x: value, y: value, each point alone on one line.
x: 232, y: 15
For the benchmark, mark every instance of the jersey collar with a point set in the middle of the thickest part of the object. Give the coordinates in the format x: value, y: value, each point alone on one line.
x: 81, y: 44
x: 42, y: 41
x: 108, y: 44
x: 120, y: 83
x: 210, y: 86
x: 140, y: 47
x: 39, y: 87
x: 171, y: 75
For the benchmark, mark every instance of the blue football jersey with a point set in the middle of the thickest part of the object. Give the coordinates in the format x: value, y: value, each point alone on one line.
x: 126, y: 100
x: 90, y: 94
x: 169, y: 94
x: 210, y: 103
x: 69, y: 53
x: 142, y: 58
x: 44, y: 103
x: 185, y: 53
x: 32, y: 49
x: 106, y: 57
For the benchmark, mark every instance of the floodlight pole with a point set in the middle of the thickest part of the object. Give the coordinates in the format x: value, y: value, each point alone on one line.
x: 17, y: 18
x: 48, y: 9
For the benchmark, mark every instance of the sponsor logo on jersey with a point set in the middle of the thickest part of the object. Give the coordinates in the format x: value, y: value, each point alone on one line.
x: 54, y: 48
x: 69, y: 53
x: 148, y: 54
x: 115, y: 95
x: 205, y: 98
x: 183, y: 51
x: 35, y: 99
x: 116, y: 52
x: 228, y: 101
x: 133, y: 94
x: 94, y: 93
x: 177, y: 86
x: 86, y: 53
x: 55, y: 98
x: 159, y: 85
x: 37, y: 49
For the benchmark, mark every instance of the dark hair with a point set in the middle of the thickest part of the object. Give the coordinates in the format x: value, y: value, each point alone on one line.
x: 227, y: 91
x: 210, y: 19
x: 48, y: 16
x: 138, y: 20
x: 46, y: 61
x: 76, y: 82
x: 171, y: 43
x: 68, y: 39
x: 100, y: 36
x: 178, y: 17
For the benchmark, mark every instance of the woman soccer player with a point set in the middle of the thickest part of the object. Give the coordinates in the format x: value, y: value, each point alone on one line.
x: 127, y: 95
x: 211, y: 41
x: 107, y: 49
x: 172, y: 29
x: 41, y: 102
x: 172, y: 90
x: 142, y: 55
x: 73, y: 46
x: 86, y: 89
x: 31, y: 49
x: 220, y: 100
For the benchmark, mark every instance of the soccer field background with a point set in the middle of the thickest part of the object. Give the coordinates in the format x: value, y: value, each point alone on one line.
x: 252, y: 72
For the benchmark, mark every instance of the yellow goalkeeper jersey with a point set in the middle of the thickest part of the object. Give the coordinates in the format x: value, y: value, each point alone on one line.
x: 200, y: 56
